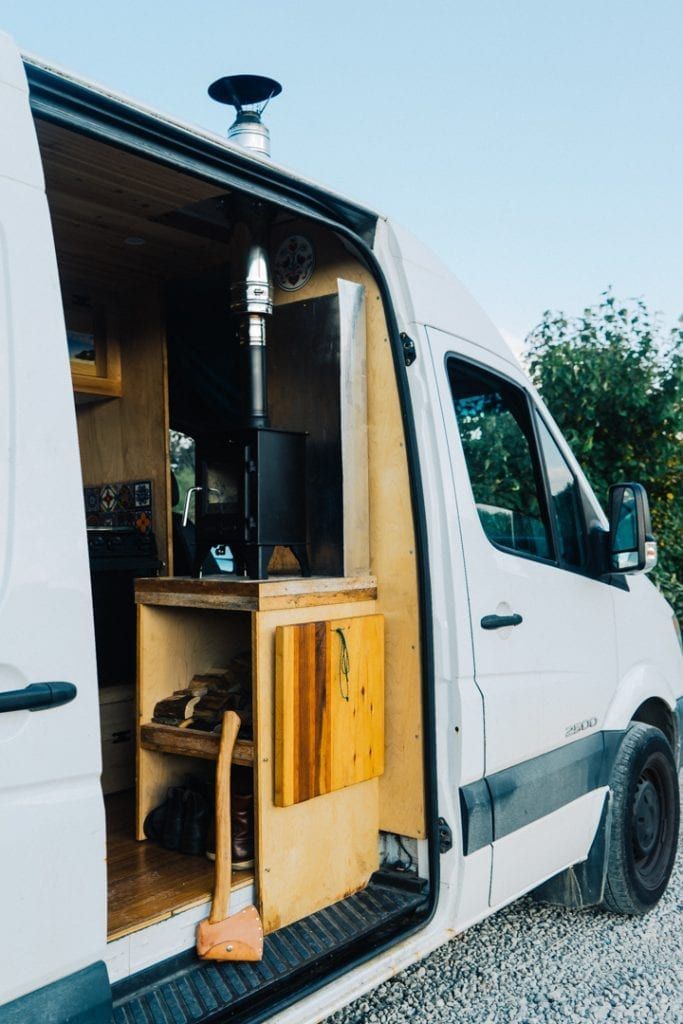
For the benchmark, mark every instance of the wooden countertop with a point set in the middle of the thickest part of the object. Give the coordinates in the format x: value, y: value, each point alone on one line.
x: 240, y: 594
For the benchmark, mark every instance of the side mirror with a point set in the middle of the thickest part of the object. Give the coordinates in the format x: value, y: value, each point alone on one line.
x: 632, y: 548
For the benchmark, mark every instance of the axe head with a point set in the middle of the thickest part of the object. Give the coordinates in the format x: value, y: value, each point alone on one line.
x: 239, y: 937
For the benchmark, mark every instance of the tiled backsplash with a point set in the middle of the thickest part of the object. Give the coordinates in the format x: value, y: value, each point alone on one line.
x: 127, y: 503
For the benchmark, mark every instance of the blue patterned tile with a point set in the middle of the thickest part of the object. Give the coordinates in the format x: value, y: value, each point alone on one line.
x: 143, y: 521
x: 143, y: 493
x: 108, y: 498
x: 126, y: 496
x: 92, y: 499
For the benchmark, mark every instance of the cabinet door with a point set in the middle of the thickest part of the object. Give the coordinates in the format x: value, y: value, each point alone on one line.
x: 329, y: 706
x: 52, y: 848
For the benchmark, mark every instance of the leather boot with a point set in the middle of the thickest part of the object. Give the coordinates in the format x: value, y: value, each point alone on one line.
x: 242, y: 821
x: 242, y: 831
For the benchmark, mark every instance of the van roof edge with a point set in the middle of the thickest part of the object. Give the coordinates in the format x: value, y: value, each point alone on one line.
x: 44, y: 76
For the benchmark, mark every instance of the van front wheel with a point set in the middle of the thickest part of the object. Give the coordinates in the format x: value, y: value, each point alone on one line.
x: 645, y: 820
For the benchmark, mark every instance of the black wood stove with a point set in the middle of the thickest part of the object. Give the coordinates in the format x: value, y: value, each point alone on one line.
x: 252, y: 484
x: 251, y: 489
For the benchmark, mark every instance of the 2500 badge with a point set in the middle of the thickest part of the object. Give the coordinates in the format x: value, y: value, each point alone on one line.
x: 588, y: 723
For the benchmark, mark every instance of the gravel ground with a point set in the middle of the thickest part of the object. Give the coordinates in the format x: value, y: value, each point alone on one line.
x: 531, y: 963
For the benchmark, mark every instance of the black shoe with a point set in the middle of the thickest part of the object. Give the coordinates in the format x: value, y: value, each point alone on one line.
x: 195, y: 822
x: 173, y: 820
x: 154, y: 823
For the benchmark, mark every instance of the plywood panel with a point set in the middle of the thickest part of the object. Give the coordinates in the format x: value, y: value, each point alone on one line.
x: 240, y: 594
x: 311, y: 854
x: 101, y: 196
x: 173, y: 645
x: 109, y: 175
x: 127, y: 438
x: 329, y: 706
x: 392, y: 537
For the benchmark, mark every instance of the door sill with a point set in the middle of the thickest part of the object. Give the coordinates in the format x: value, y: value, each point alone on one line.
x: 185, y: 989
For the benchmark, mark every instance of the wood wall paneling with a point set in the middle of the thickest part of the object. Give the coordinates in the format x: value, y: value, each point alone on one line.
x: 392, y: 538
x: 127, y: 438
x: 99, y: 196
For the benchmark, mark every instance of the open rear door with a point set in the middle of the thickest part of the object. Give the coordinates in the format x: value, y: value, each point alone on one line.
x: 52, y: 837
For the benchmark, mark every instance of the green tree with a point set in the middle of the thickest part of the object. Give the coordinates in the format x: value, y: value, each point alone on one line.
x: 613, y: 380
x: 181, y: 452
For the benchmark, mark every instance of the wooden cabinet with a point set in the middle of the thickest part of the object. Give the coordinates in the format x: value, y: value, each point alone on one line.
x: 308, y: 854
x: 92, y: 336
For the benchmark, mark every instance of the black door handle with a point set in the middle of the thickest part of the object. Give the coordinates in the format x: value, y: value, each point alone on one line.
x: 37, y: 696
x: 498, y: 621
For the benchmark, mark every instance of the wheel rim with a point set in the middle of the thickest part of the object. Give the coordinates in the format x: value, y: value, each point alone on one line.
x: 651, y: 831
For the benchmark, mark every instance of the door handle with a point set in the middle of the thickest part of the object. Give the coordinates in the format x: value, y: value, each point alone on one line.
x: 498, y: 621
x: 37, y: 696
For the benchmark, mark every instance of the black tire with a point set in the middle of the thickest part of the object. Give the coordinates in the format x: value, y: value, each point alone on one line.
x: 645, y: 821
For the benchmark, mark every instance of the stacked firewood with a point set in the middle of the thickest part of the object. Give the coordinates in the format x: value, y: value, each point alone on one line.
x: 201, y: 704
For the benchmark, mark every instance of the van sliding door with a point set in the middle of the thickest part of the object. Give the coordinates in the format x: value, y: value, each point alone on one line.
x: 52, y: 850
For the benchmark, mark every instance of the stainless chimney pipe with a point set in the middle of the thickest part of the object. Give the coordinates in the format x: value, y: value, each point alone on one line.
x: 247, y: 91
x: 249, y: 131
x: 251, y: 303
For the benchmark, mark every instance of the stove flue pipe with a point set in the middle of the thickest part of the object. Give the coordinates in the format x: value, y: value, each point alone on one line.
x: 251, y: 303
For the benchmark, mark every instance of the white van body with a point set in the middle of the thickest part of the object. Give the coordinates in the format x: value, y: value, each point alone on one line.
x: 587, y: 658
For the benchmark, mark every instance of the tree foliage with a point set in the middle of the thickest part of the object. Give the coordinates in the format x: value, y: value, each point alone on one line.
x: 613, y: 380
x: 181, y: 451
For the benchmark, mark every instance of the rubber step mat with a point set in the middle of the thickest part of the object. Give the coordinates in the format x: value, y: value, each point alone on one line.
x: 185, y: 989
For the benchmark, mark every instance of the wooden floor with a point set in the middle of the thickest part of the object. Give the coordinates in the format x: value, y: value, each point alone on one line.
x: 146, y: 883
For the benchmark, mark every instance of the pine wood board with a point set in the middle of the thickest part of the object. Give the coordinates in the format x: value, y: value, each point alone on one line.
x: 329, y: 706
x: 240, y: 594
x: 308, y: 855
x: 169, y: 739
x: 127, y: 438
x: 392, y: 536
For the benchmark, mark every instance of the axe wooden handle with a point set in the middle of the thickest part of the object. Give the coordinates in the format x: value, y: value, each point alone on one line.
x: 222, y: 888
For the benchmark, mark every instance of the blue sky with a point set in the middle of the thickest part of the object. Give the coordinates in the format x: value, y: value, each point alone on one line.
x: 536, y: 146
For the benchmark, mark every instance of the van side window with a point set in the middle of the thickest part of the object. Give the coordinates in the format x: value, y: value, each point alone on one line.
x: 565, y: 500
x: 500, y: 451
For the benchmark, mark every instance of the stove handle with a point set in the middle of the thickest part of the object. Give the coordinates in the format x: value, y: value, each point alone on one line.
x: 188, y: 499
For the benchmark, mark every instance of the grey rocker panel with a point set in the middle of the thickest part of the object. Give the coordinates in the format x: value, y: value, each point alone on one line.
x: 501, y: 803
x: 80, y: 998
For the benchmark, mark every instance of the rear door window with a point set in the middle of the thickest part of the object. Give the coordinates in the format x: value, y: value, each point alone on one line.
x: 502, y: 460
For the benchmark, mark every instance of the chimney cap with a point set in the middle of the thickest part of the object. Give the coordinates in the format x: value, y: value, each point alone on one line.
x: 241, y: 90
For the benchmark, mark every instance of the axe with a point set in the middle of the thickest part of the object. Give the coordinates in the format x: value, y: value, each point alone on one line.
x: 221, y: 937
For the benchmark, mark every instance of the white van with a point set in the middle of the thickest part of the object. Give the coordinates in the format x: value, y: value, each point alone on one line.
x: 461, y: 685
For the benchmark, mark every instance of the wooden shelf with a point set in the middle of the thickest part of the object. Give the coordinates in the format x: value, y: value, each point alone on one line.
x: 97, y: 387
x: 239, y: 594
x: 169, y: 739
